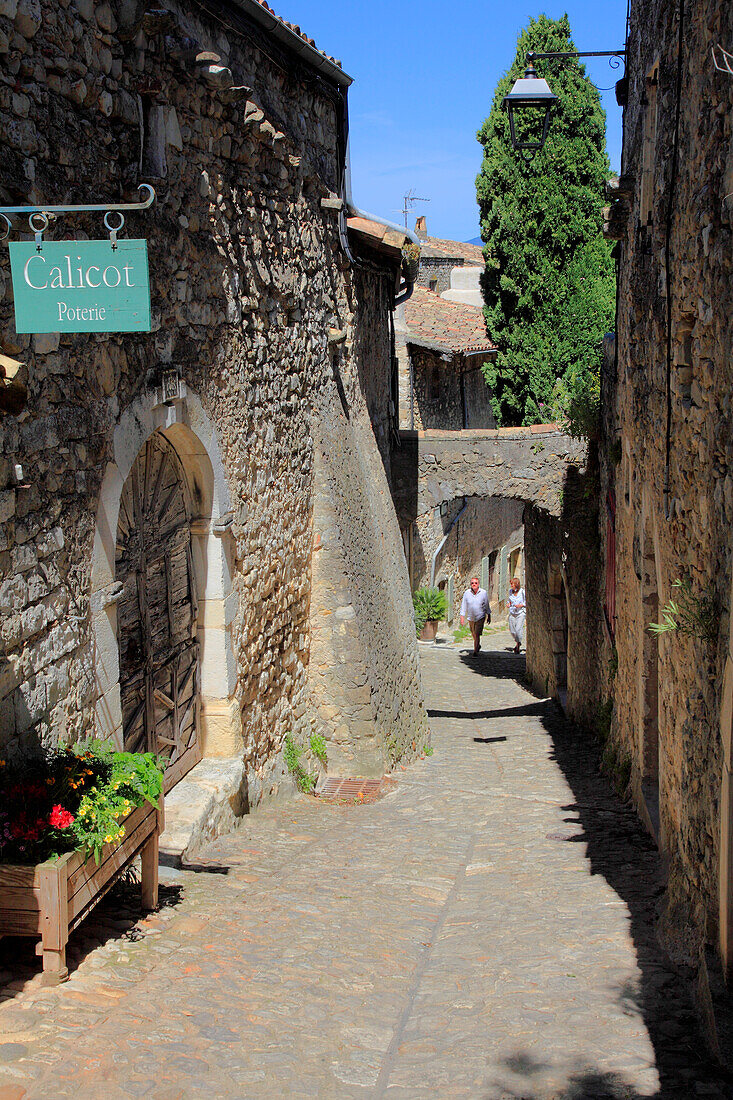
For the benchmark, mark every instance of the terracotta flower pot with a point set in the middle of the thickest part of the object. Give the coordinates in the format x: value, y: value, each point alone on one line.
x: 429, y: 631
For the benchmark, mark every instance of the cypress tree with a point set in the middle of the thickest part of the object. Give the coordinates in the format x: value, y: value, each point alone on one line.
x: 549, y: 283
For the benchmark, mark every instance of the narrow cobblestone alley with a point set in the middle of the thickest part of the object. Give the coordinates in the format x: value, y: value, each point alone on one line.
x: 481, y: 931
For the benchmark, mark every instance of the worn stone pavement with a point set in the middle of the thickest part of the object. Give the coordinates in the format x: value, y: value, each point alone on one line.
x: 485, y: 930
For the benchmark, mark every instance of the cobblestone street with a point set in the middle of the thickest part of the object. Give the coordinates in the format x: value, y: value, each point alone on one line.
x: 483, y: 930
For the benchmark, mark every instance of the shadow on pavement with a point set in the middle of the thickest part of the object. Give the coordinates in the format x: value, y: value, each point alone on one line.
x: 118, y: 916
x: 508, y: 712
x: 621, y: 851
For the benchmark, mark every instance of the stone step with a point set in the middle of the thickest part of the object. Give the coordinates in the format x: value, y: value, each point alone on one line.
x: 207, y: 803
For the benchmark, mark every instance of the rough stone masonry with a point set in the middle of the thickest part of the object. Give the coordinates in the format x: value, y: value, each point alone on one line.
x: 278, y: 350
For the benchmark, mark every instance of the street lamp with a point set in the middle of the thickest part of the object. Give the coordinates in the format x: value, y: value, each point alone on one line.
x: 532, y: 93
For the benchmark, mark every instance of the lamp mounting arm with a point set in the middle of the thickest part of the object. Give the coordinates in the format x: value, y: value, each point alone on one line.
x: 531, y: 57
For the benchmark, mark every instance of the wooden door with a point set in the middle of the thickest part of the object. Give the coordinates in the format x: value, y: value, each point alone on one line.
x: 156, y: 615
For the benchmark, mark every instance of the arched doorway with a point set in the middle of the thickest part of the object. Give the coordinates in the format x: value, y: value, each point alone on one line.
x: 157, y: 613
x: 176, y: 448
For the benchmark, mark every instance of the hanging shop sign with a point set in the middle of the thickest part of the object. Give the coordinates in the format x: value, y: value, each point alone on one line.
x: 80, y: 286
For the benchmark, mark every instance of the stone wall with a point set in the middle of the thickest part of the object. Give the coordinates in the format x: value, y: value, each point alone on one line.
x: 434, y: 273
x: 485, y: 528
x: 563, y: 587
x: 430, y: 468
x: 669, y: 453
x: 247, y: 279
x: 449, y: 392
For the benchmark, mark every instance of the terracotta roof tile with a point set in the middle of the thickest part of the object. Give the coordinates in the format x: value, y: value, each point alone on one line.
x: 471, y: 254
x: 452, y: 325
x: 296, y: 30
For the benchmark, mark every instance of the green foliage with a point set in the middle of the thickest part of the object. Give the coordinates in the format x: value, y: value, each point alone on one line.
x: 134, y: 778
x: 576, y: 403
x: 291, y: 753
x: 616, y: 764
x: 430, y: 603
x: 72, y: 797
x: 98, y: 820
x: 318, y: 747
x: 696, y: 616
x: 537, y: 448
x: 604, y: 716
x: 428, y: 750
x: 460, y: 633
x: 613, y: 664
x: 549, y: 284
x: 305, y: 781
x: 395, y: 750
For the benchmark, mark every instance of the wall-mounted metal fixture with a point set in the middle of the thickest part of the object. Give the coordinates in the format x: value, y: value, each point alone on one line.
x: 50, y: 213
x: 722, y: 60
x: 532, y: 96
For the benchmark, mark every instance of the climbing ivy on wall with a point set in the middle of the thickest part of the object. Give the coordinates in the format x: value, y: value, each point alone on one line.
x: 549, y: 284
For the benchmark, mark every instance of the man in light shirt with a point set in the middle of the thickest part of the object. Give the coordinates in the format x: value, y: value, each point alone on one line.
x: 475, y: 608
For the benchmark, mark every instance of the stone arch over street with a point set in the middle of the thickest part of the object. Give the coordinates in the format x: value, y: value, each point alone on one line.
x: 431, y: 468
x: 442, y: 481
x: 174, y: 444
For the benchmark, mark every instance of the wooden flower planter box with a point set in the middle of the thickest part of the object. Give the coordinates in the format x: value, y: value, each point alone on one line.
x: 50, y: 899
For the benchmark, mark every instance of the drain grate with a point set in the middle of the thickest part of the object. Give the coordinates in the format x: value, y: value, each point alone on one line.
x: 353, y: 788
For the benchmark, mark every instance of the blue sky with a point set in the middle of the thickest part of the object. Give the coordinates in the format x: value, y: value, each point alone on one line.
x: 424, y: 77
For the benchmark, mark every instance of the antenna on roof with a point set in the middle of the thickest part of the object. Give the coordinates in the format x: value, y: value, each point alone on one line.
x: 410, y: 199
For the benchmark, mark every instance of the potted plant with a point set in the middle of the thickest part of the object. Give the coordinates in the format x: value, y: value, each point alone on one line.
x: 70, y: 823
x: 411, y: 261
x: 430, y: 607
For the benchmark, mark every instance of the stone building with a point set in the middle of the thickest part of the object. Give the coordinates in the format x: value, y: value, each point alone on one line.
x: 667, y: 476
x: 198, y: 548
x: 442, y: 346
x: 441, y: 381
x: 450, y: 268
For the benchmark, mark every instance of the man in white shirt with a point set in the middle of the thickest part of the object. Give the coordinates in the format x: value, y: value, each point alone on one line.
x: 475, y: 608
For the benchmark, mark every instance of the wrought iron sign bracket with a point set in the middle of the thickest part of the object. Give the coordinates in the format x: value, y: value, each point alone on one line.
x: 39, y: 217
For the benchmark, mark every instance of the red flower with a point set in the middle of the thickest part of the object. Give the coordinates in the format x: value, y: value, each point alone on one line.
x: 60, y: 818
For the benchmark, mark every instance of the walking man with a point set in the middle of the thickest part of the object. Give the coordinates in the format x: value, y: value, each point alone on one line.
x: 475, y: 608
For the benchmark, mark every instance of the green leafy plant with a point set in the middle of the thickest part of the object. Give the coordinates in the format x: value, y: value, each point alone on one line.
x: 613, y: 664
x: 616, y: 764
x: 604, y: 717
x: 695, y: 616
x: 318, y: 747
x: 72, y: 797
x: 575, y: 403
x: 428, y: 750
x: 537, y: 448
x: 430, y: 603
x: 305, y: 781
x: 411, y: 259
x: 395, y: 750
x: 460, y: 633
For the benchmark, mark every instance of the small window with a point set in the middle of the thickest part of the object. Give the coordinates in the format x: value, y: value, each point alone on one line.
x: 433, y: 285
